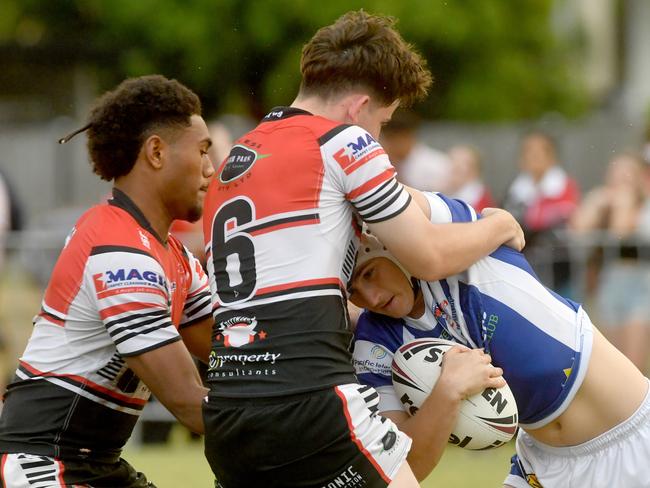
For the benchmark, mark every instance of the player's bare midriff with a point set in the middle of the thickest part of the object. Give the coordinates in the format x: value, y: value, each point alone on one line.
x: 611, y: 392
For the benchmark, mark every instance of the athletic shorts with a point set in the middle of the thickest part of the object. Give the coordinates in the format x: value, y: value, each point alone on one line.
x: 34, y: 471
x: 326, y: 439
x: 618, y: 458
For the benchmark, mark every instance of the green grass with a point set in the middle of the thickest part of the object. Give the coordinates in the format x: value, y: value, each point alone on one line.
x: 180, y: 463
x: 460, y: 468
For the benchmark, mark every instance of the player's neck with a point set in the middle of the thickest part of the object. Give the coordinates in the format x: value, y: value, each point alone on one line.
x: 323, y: 108
x: 339, y: 108
x: 151, y: 206
x: 418, y: 305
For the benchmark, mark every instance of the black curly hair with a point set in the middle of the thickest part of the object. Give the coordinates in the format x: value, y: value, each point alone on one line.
x: 123, y: 118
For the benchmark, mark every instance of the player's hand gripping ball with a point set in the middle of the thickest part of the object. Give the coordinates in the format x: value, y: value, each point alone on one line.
x: 486, y: 420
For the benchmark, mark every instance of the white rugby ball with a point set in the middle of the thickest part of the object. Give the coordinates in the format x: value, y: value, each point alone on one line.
x: 486, y: 420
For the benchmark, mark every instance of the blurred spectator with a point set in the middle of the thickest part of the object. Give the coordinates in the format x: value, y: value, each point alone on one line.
x: 615, y: 205
x: 221, y: 142
x: 5, y: 216
x: 616, y: 208
x: 11, y: 220
x: 647, y: 136
x: 465, y: 180
x: 644, y: 225
x: 418, y: 165
x: 5, y: 227
x: 645, y: 153
x: 543, y: 197
x: 11, y: 209
x: 11, y: 214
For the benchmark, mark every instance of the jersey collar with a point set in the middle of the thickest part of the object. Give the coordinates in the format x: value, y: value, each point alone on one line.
x: 280, y: 113
x: 121, y: 200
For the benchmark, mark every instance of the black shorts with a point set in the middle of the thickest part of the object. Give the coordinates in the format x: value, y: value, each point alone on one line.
x: 22, y: 470
x: 324, y: 439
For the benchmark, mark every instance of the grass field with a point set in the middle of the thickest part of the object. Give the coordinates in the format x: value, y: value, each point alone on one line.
x: 180, y: 463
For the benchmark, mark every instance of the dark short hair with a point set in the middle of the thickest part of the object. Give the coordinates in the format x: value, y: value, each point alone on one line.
x: 123, y: 118
x: 363, y: 50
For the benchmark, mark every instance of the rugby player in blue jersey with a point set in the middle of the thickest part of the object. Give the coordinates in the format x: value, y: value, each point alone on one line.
x: 584, y: 407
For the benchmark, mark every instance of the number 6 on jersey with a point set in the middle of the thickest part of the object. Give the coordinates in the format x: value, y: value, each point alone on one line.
x: 233, y: 253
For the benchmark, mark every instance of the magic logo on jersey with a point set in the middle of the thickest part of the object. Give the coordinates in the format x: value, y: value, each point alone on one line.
x: 358, y: 152
x: 128, y: 277
x: 240, y: 160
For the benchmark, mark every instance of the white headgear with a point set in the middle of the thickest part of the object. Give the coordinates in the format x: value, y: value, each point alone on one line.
x: 370, y: 247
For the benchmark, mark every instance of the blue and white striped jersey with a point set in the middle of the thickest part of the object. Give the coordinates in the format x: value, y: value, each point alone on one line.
x: 497, y: 304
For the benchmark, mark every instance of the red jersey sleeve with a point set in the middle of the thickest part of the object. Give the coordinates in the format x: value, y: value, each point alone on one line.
x: 363, y: 173
x: 197, y: 304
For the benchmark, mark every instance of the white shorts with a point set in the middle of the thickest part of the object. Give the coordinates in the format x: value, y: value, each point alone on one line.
x: 21, y: 470
x: 25, y: 470
x: 619, y: 458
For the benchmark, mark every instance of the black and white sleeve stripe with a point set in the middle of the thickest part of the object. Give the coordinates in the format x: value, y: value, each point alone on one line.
x: 196, y: 308
x: 385, y: 202
x: 134, y: 325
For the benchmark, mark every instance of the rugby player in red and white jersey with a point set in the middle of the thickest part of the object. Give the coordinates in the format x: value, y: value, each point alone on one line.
x: 281, y: 225
x: 122, y: 295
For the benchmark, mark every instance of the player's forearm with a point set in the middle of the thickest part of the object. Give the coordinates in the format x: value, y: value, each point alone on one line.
x: 461, y: 245
x: 170, y: 374
x: 452, y: 248
x: 188, y: 408
x: 183, y: 396
x: 435, y: 251
x: 198, y: 339
x: 430, y: 429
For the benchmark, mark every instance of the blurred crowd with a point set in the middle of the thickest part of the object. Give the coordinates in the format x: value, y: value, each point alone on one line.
x: 593, y: 247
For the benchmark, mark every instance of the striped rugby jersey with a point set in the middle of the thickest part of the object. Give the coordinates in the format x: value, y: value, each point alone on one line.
x: 281, y: 236
x: 115, y: 291
x: 498, y: 304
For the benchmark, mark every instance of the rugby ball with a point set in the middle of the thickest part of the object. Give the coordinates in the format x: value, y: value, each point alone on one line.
x: 486, y: 420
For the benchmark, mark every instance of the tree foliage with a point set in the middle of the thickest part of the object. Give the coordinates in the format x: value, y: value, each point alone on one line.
x: 492, y: 60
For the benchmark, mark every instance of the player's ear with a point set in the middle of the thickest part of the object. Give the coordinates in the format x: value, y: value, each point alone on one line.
x: 358, y: 103
x: 153, y: 148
